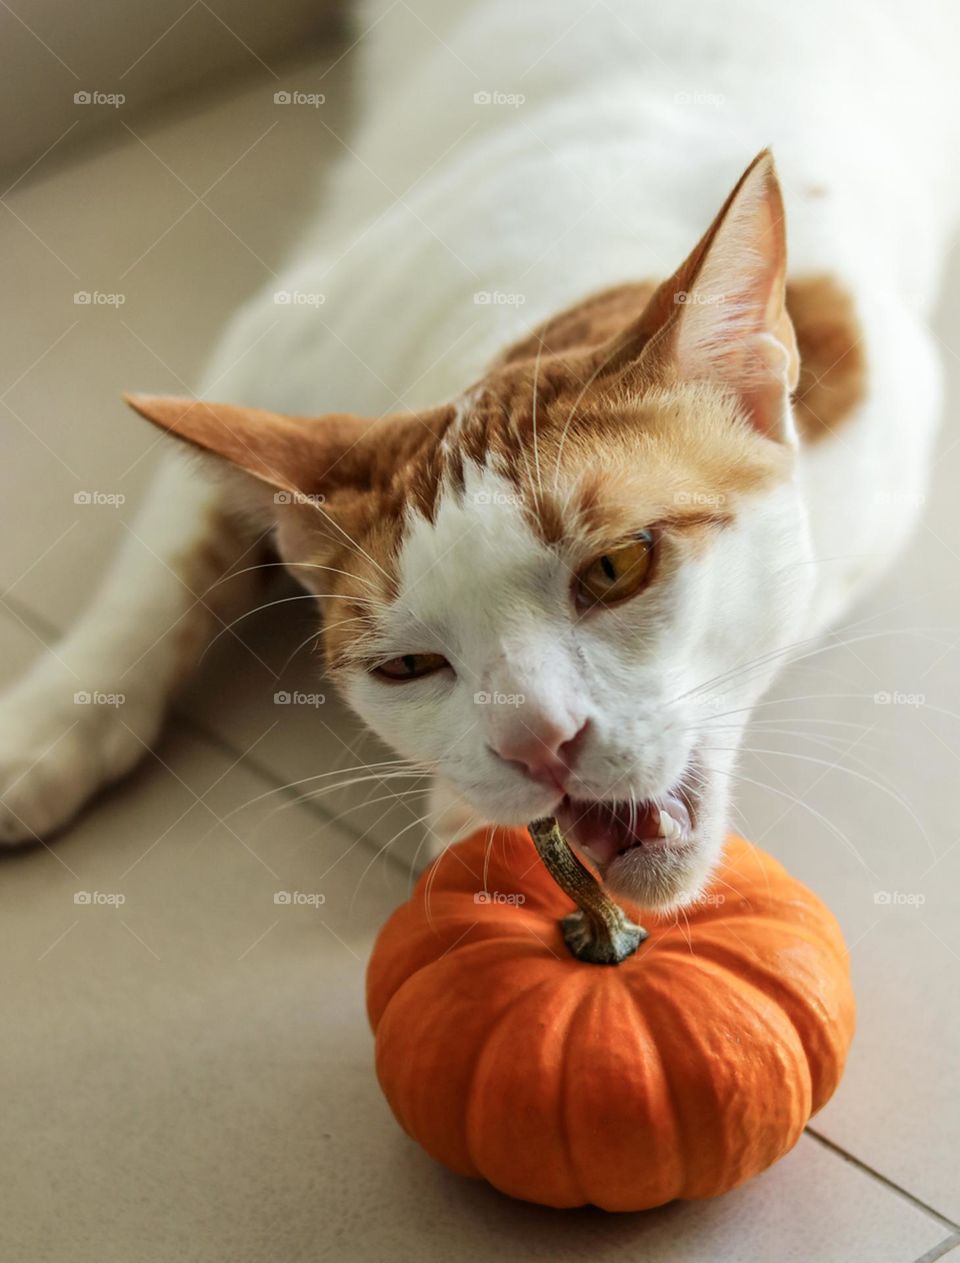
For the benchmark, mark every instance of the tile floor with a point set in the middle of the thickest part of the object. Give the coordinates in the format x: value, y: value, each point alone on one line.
x: 189, y: 1075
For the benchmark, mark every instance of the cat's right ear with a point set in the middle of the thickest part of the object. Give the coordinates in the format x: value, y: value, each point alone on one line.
x: 298, y: 455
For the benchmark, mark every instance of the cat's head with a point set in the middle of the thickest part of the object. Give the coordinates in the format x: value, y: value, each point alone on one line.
x: 565, y: 589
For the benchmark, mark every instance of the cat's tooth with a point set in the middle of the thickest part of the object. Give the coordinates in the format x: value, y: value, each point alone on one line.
x: 668, y: 827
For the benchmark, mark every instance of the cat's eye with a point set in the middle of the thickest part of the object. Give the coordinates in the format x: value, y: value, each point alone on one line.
x: 411, y: 666
x: 617, y: 574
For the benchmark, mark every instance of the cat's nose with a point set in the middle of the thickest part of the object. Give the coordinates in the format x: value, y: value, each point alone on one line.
x: 546, y: 750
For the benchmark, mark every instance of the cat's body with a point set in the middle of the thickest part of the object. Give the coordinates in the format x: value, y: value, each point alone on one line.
x: 515, y: 160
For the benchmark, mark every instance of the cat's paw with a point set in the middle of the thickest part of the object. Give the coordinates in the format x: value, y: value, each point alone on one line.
x: 59, y: 744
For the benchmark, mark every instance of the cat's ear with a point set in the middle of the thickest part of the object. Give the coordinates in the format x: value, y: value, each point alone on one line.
x: 292, y: 454
x: 722, y: 317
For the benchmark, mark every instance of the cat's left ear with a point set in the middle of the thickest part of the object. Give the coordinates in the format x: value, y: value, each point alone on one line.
x: 722, y: 316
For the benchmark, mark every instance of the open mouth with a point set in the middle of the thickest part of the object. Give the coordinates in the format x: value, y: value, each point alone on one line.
x: 604, y: 831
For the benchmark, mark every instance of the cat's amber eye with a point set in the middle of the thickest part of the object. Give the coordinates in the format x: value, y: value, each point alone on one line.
x: 616, y: 575
x: 411, y: 666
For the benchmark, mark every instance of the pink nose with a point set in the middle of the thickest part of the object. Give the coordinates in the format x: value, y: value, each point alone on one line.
x: 545, y: 750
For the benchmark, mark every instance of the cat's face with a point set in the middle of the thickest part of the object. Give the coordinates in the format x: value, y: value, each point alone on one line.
x: 562, y: 634
x: 564, y: 591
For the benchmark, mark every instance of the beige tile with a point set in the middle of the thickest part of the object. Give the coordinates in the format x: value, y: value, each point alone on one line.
x: 193, y: 1073
x: 125, y: 221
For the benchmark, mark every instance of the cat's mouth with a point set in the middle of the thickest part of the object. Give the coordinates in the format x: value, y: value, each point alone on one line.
x: 605, y: 831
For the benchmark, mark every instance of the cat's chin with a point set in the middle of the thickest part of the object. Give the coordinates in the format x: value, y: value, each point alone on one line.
x: 655, y: 853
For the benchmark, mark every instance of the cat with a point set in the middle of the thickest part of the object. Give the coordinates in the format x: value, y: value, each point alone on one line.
x: 559, y: 574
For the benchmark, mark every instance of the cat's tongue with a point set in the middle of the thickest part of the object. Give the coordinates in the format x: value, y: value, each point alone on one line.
x: 604, y: 830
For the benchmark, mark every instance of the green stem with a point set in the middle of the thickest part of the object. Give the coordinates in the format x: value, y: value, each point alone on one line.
x: 599, y: 931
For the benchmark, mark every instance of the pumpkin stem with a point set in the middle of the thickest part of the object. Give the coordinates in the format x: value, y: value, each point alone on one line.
x: 599, y: 931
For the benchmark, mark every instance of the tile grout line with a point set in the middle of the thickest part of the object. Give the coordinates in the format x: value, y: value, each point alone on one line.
x: 938, y: 1251
x: 894, y: 1187
x: 267, y: 774
x: 176, y: 713
x: 225, y: 746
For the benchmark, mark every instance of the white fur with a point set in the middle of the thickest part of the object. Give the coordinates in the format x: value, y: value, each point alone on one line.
x: 637, y: 119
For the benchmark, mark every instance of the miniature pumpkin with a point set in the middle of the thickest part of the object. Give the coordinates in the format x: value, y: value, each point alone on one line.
x: 684, y: 1069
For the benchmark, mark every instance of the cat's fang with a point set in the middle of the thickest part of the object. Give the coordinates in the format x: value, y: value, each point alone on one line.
x: 667, y: 827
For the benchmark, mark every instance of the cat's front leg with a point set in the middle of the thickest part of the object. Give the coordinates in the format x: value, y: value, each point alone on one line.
x: 93, y: 703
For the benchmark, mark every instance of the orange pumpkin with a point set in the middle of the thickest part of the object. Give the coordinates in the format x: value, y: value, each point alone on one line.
x: 678, y: 1073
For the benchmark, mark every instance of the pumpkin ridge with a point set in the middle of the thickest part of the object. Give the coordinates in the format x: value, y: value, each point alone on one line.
x: 785, y: 992
x: 642, y: 1021
x: 395, y: 1010
x: 472, y: 1094
x: 697, y: 1130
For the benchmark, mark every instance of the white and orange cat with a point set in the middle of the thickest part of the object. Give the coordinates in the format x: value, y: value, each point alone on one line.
x: 548, y: 571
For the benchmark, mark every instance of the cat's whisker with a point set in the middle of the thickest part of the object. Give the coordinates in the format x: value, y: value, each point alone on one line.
x: 832, y: 641
x: 288, y: 566
x: 266, y: 605
x: 381, y: 778
x: 796, y: 801
x: 872, y: 781
x: 289, y: 785
x: 386, y: 847
x: 536, y: 449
